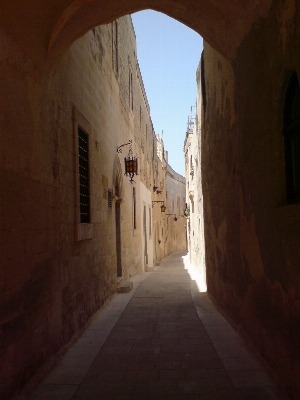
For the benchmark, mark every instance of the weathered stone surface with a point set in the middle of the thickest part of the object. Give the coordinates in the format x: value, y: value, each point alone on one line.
x: 56, y: 272
x: 125, y: 287
x: 252, y: 251
x: 251, y: 233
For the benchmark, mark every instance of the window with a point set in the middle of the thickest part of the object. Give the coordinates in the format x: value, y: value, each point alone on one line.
x: 153, y: 147
x: 115, y: 47
x: 146, y: 134
x: 83, y: 211
x: 134, y: 207
x: 141, y: 113
x: 292, y: 139
x: 84, y: 187
x: 130, y: 91
x: 109, y: 198
x: 150, y: 223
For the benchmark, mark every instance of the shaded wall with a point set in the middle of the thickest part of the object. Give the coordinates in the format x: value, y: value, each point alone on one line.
x: 252, y: 236
x: 251, y: 232
x: 56, y: 272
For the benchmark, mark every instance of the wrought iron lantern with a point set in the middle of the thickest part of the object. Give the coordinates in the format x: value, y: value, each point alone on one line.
x: 130, y: 162
x: 162, y: 207
x: 175, y: 218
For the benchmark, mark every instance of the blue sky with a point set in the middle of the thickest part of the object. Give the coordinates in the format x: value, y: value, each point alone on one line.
x: 168, y: 53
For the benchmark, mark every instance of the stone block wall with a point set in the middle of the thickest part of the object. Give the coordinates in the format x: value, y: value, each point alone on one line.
x: 55, y: 271
x: 251, y: 230
x: 194, y: 192
x: 176, y: 230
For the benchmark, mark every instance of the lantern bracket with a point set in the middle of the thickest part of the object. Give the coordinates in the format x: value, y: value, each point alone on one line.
x: 162, y: 207
x: 157, y: 201
x: 119, y: 150
x: 175, y: 218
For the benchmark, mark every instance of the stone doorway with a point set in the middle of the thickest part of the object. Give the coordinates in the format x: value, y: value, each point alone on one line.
x: 118, y: 238
x: 118, y: 195
x: 145, y: 238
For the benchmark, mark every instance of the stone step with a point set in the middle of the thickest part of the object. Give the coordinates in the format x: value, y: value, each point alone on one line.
x: 125, y: 287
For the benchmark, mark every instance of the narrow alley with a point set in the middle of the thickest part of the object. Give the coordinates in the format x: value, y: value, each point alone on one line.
x: 162, y: 340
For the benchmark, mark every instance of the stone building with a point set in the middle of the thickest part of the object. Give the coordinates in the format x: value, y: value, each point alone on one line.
x: 88, y: 228
x: 240, y: 199
x: 249, y: 166
x: 194, y: 193
x: 176, y: 222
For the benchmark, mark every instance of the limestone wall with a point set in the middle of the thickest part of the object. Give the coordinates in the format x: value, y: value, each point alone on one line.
x: 194, y: 193
x: 251, y: 230
x: 175, y: 202
x: 56, y: 272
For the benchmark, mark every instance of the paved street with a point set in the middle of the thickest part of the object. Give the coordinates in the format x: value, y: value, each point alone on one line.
x: 163, y: 340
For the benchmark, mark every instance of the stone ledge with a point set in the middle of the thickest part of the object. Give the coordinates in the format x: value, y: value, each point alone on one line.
x: 125, y: 287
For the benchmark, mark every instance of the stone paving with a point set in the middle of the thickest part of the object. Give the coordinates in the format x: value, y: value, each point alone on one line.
x: 163, y: 340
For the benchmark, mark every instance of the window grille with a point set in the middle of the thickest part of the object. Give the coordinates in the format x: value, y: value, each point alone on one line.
x: 109, y: 198
x: 84, y: 195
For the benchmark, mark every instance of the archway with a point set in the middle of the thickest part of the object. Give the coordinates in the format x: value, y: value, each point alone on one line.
x: 223, y: 25
x: 118, y: 234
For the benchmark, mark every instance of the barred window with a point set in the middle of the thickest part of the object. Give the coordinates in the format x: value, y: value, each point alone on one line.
x: 109, y: 198
x: 84, y: 189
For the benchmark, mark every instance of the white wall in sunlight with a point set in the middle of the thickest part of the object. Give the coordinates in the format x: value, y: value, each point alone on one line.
x: 197, y: 275
x: 194, y: 193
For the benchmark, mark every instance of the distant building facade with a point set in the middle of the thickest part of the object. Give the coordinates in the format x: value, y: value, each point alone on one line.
x: 194, y: 192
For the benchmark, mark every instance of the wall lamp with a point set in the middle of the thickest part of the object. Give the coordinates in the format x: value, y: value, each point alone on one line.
x: 175, y: 218
x: 131, y: 162
x: 162, y: 207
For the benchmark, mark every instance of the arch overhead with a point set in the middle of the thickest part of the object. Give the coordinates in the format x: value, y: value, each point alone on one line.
x: 47, y: 29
